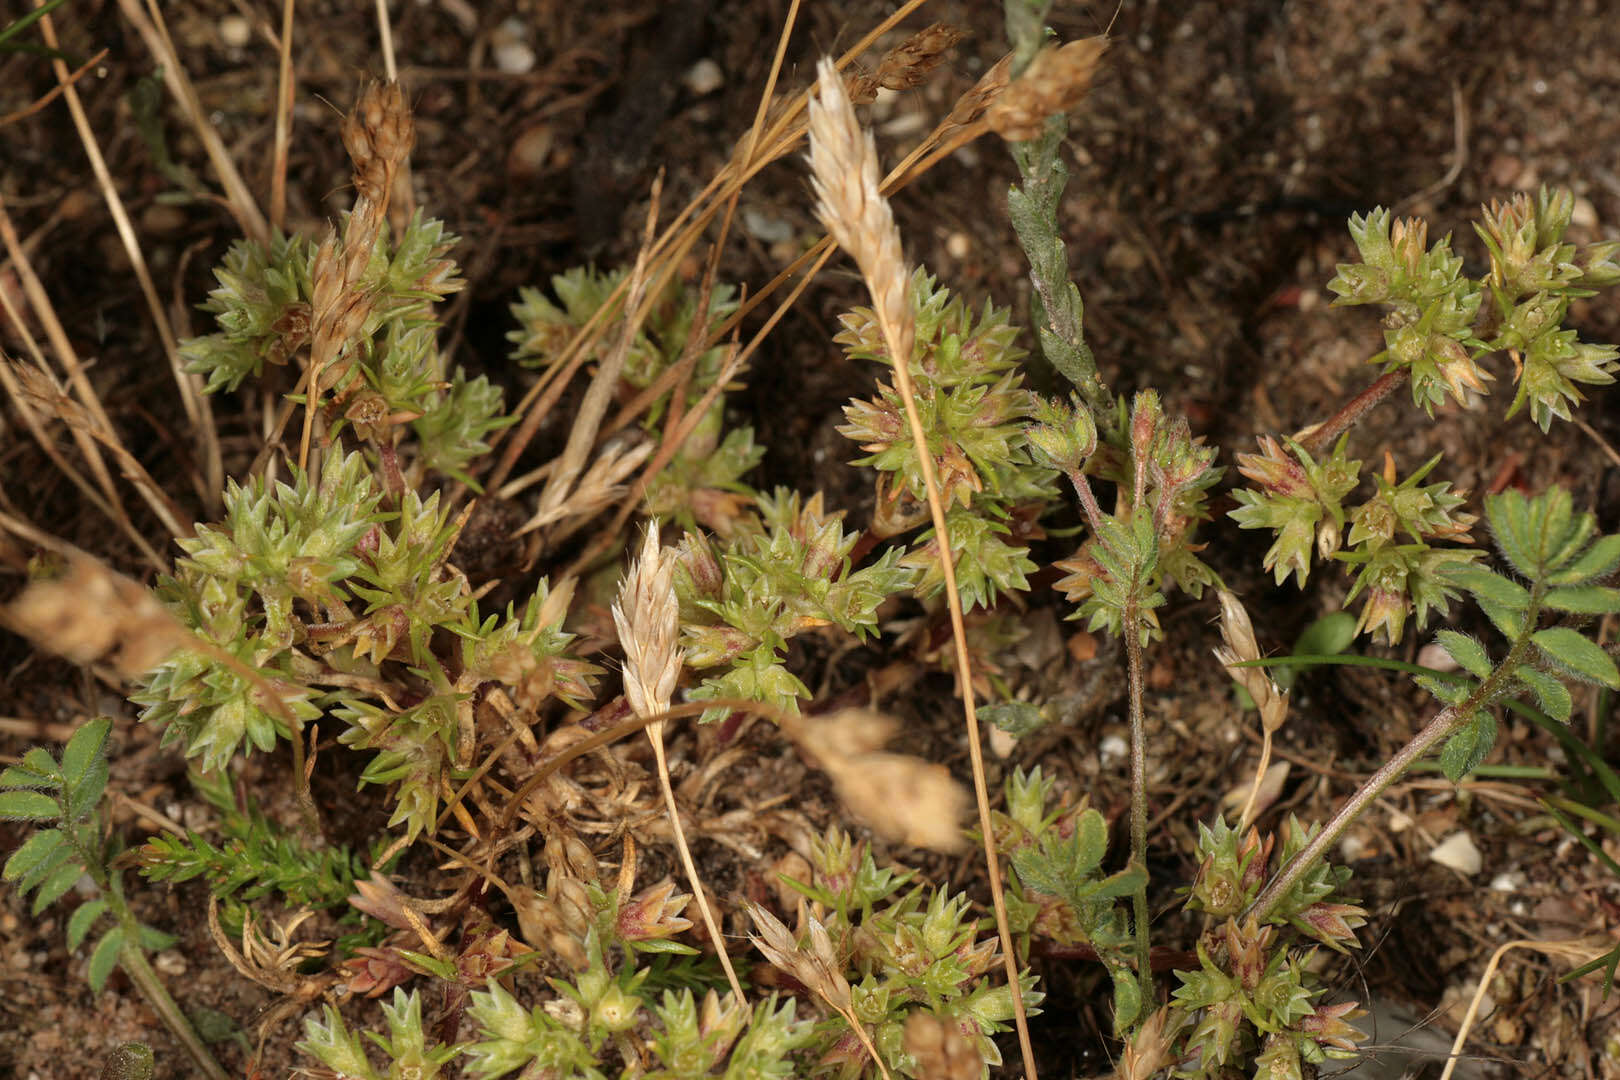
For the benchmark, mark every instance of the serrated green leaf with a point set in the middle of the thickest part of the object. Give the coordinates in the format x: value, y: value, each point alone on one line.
x: 1489, y: 586
x: 1550, y: 692
x: 152, y: 939
x: 34, y: 851
x: 1469, y: 654
x: 1599, y: 560
x: 105, y: 957
x: 58, y: 857
x: 82, y: 920
x: 1327, y: 636
x: 1570, y: 650
x: 57, y: 885
x: 28, y: 806
x: 1509, y: 622
x: 1467, y: 748
x: 37, y: 769
x: 83, y: 796
x: 1449, y: 691
x: 1584, y: 599
x: 87, y: 744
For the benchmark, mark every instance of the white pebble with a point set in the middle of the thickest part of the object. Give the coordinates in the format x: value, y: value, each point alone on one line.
x: 1458, y: 853
x: 1112, y: 748
x: 703, y: 77
x: 235, y: 31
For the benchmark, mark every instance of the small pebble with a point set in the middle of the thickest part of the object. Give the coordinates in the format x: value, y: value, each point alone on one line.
x: 703, y: 77
x: 510, y: 48
x: 1458, y: 853
x: 1112, y: 748
x: 169, y: 962
x: 235, y: 31
x: 1583, y: 214
x: 957, y: 245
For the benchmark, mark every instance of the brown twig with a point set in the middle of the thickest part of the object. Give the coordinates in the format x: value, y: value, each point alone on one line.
x: 1320, y: 436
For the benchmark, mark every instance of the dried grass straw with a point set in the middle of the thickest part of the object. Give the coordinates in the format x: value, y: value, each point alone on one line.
x: 844, y: 168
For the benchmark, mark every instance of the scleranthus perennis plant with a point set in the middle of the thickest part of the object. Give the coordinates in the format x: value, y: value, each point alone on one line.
x: 971, y: 395
x: 786, y: 572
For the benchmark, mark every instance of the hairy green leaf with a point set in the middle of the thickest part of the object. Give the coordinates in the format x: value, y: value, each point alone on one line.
x: 28, y: 806
x: 1467, y: 748
x: 1584, y: 600
x: 1469, y: 654
x: 33, y: 852
x: 1572, y: 651
x: 105, y: 957
x: 1550, y: 692
x: 78, y: 927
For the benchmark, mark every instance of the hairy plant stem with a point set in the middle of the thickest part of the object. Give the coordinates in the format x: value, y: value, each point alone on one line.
x: 1133, y: 655
x: 1139, y: 820
x: 1445, y: 723
x: 132, y: 958
x: 1354, y: 410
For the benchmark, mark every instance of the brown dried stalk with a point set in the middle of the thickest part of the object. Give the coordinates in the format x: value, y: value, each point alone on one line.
x: 199, y: 411
x: 378, y: 135
x: 647, y: 616
x: 843, y: 162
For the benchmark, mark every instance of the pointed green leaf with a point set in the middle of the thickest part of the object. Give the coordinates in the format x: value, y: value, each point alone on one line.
x: 1091, y: 842
x: 58, y: 857
x: 1467, y: 748
x: 1469, y: 654
x: 1122, y: 883
x: 83, y: 796
x: 1584, y: 599
x: 1599, y: 560
x: 28, y: 806
x: 1571, y: 651
x: 105, y: 957
x: 57, y: 885
x: 16, y: 776
x: 1127, y: 998
x: 1489, y: 586
x: 83, y: 919
x: 154, y: 940
x: 1550, y: 692
x: 1327, y: 636
x: 33, y: 852
x: 87, y: 744
x: 1509, y: 622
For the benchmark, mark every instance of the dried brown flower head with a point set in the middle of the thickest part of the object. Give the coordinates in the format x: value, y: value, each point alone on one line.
x: 1054, y: 83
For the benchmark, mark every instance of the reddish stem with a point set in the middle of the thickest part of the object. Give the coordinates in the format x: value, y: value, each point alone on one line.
x: 1354, y: 410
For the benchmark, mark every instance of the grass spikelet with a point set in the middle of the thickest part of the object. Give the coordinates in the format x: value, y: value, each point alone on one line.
x: 647, y: 616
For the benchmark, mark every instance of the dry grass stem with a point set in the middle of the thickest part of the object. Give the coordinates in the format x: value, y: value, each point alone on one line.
x: 671, y: 247
x: 199, y: 412
x: 39, y: 302
x: 154, y: 32
x: 647, y: 617
x: 286, y: 90
x: 599, y: 395
x: 41, y: 392
x: 602, y: 483
x: 843, y: 161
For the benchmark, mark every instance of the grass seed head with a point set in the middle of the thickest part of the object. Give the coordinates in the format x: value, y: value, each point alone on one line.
x: 1054, y: 83
x: 647, y: 616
